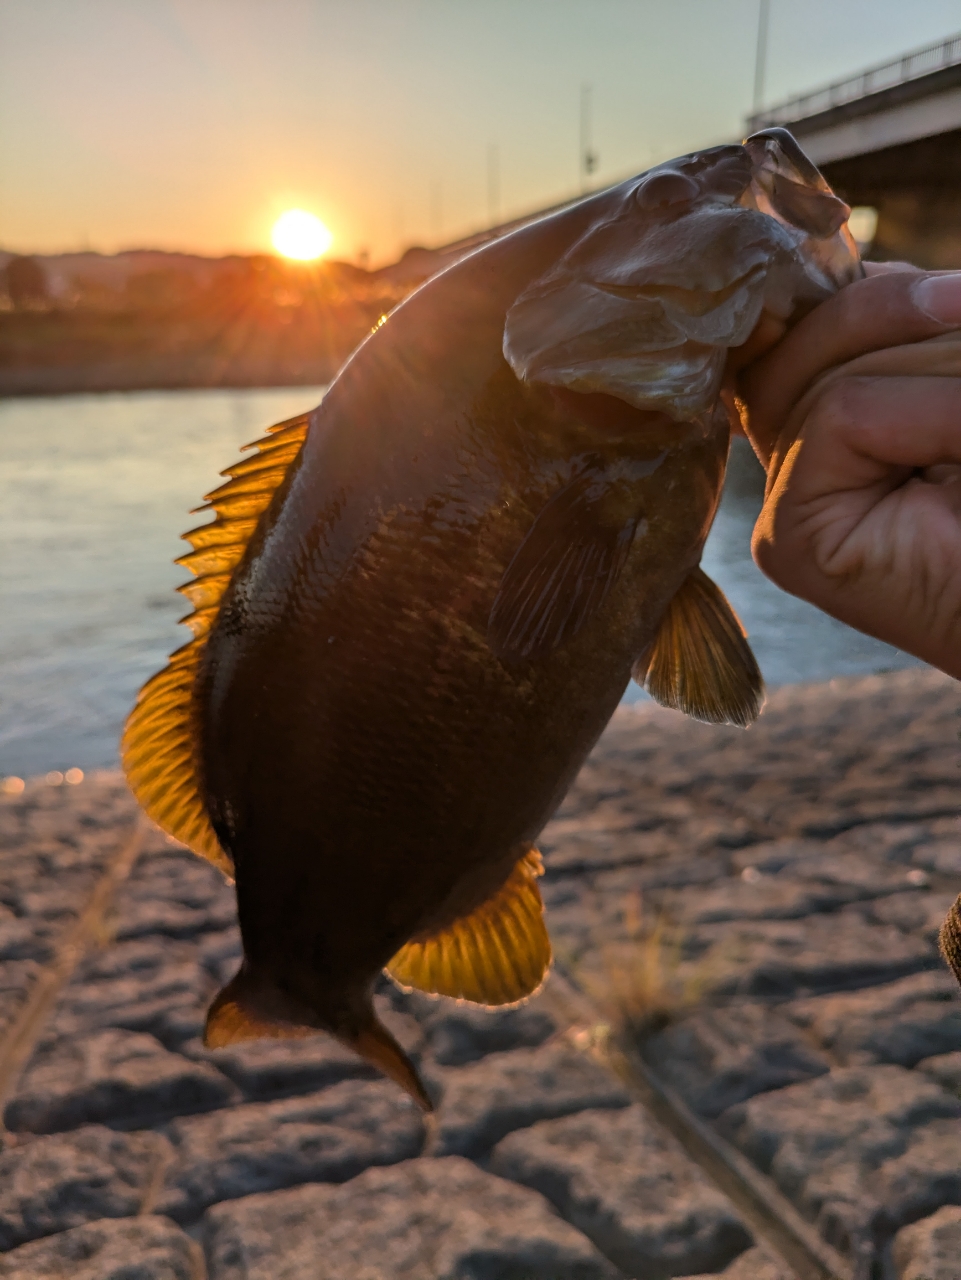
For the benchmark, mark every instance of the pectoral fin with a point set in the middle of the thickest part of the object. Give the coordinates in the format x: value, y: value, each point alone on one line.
x: 497, y: 955
x: 562, y: 572
x: 700, y: 662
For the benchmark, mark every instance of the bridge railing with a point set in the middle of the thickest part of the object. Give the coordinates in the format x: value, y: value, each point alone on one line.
x: 912, y: 66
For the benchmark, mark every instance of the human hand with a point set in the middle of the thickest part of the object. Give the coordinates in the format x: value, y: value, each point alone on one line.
x: 856, y: 414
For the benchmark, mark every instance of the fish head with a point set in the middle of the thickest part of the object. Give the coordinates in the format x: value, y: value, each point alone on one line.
x: 676, y: 269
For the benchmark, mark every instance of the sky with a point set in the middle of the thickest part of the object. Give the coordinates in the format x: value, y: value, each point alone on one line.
x: 193, y: 124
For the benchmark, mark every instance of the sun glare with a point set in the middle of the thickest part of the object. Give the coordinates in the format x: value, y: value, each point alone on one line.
x: 300, y: 235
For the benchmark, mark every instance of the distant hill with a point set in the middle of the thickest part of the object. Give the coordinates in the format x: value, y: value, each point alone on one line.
x: 147, y: 318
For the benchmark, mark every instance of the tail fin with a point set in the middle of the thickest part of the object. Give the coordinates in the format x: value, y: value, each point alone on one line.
x: 251, y: 1007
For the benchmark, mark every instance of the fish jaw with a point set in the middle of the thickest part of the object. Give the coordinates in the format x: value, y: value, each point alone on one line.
x: 646, y: 304
x: 252, y: 1006
x: 786, y: 186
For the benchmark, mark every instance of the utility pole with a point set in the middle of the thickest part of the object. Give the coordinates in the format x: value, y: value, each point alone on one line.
x: 436, y: 220
x: 760, y: 56
x: 588, y: 156
x: 493, y: 185
x: 400, y: 227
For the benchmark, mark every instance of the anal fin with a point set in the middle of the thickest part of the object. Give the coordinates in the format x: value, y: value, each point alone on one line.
x: 497, y: 955
x: 700, y: 661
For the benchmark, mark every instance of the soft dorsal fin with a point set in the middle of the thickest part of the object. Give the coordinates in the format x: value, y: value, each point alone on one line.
x: 700, y: 662
x: 158, y: 746
x: 497, y: 955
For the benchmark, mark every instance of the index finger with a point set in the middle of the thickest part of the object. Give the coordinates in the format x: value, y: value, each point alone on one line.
x: 883, y: 310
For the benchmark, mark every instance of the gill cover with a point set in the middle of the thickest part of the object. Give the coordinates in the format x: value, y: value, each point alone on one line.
x: 645, y: 305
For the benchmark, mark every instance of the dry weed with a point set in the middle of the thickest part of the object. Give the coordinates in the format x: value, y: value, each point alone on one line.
x: 642, y: 983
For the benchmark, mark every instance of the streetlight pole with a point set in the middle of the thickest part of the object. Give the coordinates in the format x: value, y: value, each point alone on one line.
x: 493, y: 185
x: 588, y: 156
x: 760, y: 57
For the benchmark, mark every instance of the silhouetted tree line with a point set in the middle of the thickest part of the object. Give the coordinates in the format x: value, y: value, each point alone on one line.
x: 25, y: 282
x: 240, y: 321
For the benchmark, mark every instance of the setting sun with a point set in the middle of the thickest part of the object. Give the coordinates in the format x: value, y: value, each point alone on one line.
x: 300, y: 235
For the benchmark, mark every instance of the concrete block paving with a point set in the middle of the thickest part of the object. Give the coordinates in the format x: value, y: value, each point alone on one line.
x: 751, y: 914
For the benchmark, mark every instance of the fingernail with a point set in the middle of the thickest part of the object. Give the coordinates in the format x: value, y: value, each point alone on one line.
x: 939, y: 297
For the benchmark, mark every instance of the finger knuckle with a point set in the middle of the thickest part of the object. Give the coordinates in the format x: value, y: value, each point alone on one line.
x: 840, y: 407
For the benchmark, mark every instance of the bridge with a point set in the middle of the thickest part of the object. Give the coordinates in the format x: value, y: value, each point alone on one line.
x: 890, y: 138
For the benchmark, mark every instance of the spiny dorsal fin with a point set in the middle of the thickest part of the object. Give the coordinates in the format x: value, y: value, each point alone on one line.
x: 700, y: 662
x: 497, y: 955
x: 159, y: 739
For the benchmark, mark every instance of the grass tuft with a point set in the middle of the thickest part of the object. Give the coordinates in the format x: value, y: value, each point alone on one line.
x: 642, y: 983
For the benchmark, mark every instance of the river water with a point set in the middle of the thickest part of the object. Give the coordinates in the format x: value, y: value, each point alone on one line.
x: 94, y: 491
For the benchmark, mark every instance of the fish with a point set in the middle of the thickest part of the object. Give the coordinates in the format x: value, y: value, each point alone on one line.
x: 417, y: 606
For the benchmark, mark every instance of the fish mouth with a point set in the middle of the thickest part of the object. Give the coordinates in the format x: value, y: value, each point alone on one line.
x: 646, y: 305
x: 691, y: 302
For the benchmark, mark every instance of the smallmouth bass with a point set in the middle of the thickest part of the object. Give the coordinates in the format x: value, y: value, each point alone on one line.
x: 418, y: 606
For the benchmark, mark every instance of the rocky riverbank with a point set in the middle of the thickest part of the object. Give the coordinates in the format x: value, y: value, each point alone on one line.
x: 752, y: 914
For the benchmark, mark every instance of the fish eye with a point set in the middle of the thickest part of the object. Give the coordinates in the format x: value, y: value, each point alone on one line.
x: 664, y: 188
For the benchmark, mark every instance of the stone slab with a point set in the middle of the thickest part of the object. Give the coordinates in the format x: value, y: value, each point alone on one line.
x: 61, y: 1181
x: 813, y: 854
x: 175, y: 895
x: 139, y: 917
x: 790, y: 957
x: 220, y: 952
x: 116, y: 1076
x: 26, y: 940
x: 901, y: 1022
x: 942, y: 857
x: 819, y: 761
x: 920, y: 913
x: 718, y: 1057
x: 16, y: 979
x: 860, y: 1151
x: 629, y: 1186
x: 754, y: 1264
x: 946, y: 1069
x: 461, y: 1033
x: 147, y: 1248
x: 271, y: 1068
x: 815, y: 877
x: 425, y: 1219
x: 325, y: 1137
x: 482, y: 1102
x: 930, y: 1249
x: 154, y: 986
